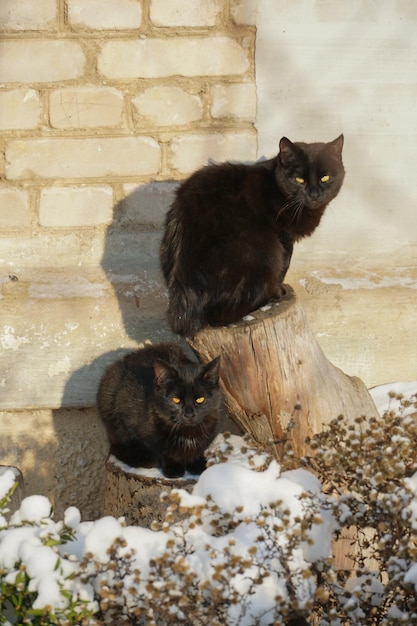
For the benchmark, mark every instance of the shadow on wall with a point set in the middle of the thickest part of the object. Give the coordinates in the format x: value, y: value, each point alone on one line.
x: 138, y: 296
x: 131, y: 264
x: 131, y: 259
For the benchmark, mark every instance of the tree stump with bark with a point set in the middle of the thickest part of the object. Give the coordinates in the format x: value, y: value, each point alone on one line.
x: 136, y: 496
x: 279, y: 385
x: 277, y: 381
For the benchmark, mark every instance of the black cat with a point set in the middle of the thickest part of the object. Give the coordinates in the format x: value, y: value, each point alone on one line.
x: 230, y: 231
x: 160, y: 409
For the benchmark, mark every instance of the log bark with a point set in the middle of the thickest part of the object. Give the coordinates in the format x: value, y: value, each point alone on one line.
x: 137, y: 497
x: 279, y: 385
x: 275, y: 375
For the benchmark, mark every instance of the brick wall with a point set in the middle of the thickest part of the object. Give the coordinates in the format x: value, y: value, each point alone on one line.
x: 98, y: 96
x: 102, y: 104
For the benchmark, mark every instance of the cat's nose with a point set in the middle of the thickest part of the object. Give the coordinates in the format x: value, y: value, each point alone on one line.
x: 189, y: 412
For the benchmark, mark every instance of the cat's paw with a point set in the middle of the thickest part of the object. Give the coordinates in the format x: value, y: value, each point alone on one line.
x: 281, y: 292
x: 197, y: 467
x: 173, y: 470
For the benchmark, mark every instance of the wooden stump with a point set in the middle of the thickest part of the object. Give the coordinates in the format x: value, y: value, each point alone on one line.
x: 274, y: 373
x: 136, y: 496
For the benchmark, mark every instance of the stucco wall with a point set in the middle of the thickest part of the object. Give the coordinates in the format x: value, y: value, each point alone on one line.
x: 324, y: 68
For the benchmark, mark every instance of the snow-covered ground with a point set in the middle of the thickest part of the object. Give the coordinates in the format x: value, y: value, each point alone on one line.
x: 383, y: 401
x: 260, y: 502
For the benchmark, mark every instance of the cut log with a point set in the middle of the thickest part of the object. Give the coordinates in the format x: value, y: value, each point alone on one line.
x: 278, y: 383
x: 136, y: 496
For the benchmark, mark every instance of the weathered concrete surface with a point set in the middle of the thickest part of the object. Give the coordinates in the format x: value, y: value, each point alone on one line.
x: 61, y: 455
x: 362, y: 312
x: 59, y: 329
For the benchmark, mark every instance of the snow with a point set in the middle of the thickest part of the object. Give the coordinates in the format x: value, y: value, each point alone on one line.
x: 259, y: 501
x: 32, y: 509
x: 149, y: 472
x: 385, y: 403
x: 242, y: 510
x: 7, y: 480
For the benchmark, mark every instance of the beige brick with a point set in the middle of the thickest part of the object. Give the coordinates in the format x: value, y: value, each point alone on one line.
x: 180, y: 13
x: 75, y: 206
x: 167, y: 106
x: 193, y: 151
x: 183, y: 56
x: 244, y: 11
x: 85, y: 107
x: 43, y: 250
x: 14, y: 208
x: 19, y: 109
x: 27, y: 15
x: 236, y: 101
x: 104, y: 14
x: 147, y: 204
x: 82, y: 158
x: 34, y: 61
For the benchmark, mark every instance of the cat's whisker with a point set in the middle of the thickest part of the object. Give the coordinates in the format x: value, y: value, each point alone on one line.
x: 290, y: 206
x: 297, y: 212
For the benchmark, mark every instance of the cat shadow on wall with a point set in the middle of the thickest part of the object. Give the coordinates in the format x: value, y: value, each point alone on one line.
x: 131, y: 312
x: 131, y: 260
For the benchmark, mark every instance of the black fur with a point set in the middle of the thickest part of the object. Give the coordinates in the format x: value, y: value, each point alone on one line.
x: 145, y: 427
x: 230, y: 232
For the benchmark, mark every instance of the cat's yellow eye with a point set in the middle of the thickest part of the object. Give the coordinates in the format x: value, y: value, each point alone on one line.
x: 176, y: 400
x: 299, y: 180
x: 325, y: 179
x: 200, y: 400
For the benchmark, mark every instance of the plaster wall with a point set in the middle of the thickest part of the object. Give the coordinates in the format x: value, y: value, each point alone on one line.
x: 325, y: 68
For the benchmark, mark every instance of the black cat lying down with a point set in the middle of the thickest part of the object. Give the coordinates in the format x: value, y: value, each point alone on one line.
x: 230, y: 231
x: 160, y: 409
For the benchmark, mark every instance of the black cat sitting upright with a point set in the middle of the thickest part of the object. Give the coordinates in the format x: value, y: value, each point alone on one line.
x: 160, y: 409
x: 230, y: 231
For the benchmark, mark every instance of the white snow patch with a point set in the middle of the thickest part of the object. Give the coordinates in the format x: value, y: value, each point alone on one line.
x: 148, y: 472
x: 8, y: 478
x: 383, y: 403
x: 32, y: 509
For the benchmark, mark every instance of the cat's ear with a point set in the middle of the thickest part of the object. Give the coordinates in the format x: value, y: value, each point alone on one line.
x: 286, y: 149
x: 211, y: 371
x: 337, y: 144
x: 163, y: 372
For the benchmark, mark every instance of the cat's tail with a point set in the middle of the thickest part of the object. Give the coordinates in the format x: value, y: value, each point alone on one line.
x: 185, y: 310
